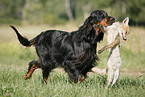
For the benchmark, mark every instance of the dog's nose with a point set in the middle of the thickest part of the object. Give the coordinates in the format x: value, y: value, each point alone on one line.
x: 112, y: 19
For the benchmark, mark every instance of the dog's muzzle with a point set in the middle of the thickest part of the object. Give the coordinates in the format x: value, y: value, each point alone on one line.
x: 111, y: 20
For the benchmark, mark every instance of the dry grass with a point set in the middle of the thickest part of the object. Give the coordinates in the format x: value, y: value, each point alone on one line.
x: 136, y: 42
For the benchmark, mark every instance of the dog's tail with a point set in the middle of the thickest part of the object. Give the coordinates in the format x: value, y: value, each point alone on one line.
x: 24, y: 41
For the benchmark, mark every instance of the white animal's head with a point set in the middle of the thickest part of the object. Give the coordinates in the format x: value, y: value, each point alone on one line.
x: 124, y: 28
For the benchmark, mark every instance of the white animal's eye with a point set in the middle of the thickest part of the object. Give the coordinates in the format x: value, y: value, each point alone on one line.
x: 125, y: 33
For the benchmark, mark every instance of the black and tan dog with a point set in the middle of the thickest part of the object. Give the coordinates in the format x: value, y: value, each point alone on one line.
x: 75, y: 51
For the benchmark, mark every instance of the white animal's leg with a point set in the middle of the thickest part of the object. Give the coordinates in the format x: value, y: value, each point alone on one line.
x: 110, y: 77
x: 116, y: 75
x: 99, y: 71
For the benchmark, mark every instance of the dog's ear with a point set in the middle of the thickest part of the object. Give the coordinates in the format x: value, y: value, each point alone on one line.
x: 89, y: 21
x: 87, y: 31
x: 126, y: 21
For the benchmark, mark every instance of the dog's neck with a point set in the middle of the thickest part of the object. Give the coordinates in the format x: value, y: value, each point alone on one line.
x: 87, y: 33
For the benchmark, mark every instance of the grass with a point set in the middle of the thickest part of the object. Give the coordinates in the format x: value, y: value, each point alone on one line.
x: 14, y: 59
x: 14, y: 85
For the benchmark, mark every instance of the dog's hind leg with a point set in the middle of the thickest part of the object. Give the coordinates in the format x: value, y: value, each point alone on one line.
x: 33, y: 65
x: 116, y: 75
x: 110, y: 77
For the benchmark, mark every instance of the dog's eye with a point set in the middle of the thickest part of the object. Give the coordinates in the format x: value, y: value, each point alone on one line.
x: 100, y: 13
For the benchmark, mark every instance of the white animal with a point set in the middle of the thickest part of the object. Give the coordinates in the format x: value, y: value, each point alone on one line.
x: 115, y: 31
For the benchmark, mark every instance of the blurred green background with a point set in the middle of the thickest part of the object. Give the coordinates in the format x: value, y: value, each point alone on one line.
x: 58, y: 12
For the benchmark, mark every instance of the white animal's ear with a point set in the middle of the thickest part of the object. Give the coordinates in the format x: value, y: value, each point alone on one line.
x: 126, y: 21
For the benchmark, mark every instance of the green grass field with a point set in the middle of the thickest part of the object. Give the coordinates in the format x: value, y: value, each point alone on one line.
x: 14, y: 59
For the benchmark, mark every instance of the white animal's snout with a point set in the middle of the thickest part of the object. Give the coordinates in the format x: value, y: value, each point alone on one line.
x: 123, y: 35
x: 124, y: 38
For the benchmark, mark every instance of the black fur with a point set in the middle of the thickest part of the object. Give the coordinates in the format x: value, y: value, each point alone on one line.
x: 24, y: 41
x: 75, y: 51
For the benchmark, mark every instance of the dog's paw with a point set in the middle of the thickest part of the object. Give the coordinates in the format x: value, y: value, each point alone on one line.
x: 26, y: 77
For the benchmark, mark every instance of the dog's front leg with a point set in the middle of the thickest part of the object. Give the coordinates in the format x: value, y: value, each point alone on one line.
x: 74, y: 73
x: 113, y: 44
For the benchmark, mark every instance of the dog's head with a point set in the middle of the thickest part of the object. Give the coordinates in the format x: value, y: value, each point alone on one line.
x: 92, y: 29
x: 124, y: 28
x: 101, y: 20
x: 101, y: 17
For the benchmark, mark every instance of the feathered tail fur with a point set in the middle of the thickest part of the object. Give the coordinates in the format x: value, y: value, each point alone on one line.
x: 24, y: 41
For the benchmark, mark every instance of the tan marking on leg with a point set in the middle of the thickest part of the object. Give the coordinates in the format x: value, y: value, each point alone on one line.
x: 28, y: 76
x: 82, y: 78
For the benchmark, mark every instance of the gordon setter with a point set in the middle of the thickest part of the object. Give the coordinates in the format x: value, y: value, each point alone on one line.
x: 75, y: 51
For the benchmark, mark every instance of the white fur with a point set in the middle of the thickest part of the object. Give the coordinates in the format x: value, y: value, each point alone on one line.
x: 114, y: 59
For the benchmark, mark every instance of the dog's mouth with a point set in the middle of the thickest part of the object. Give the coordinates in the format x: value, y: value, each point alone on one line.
x: 103, y: 24
x: 99, y: 27
x: 107, y: 21
x: 110, y: 20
